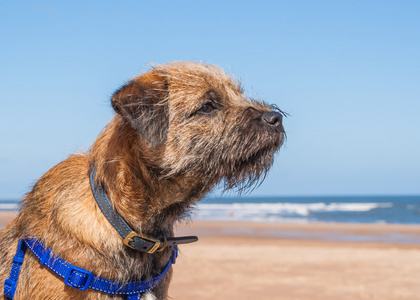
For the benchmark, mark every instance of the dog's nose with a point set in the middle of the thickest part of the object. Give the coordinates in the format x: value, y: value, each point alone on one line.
x: 273, y: 118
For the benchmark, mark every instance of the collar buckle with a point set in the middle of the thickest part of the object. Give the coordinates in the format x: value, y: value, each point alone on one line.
x: 130, y: 238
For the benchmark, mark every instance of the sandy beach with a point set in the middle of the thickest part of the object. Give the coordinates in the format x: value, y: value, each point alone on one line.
x: 6, y: 217
x: 234, y: 260
x: 247, y: 261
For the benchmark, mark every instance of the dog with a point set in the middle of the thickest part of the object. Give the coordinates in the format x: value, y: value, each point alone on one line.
x: 179, y: 129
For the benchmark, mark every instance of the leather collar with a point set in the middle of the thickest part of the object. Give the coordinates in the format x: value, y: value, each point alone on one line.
x: 130, y: 237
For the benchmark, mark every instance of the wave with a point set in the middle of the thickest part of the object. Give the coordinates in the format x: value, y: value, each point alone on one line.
x: 280, y: 212
x: 8, y: 206
x: 303, y: 209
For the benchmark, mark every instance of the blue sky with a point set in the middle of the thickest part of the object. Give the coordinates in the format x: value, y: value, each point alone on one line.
x: 347, y: 72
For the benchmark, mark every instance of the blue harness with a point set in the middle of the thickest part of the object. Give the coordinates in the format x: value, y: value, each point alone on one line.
x: 76, y: 277
x: 82, y: 279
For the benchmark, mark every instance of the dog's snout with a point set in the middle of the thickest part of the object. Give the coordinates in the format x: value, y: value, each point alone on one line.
x: 272, y: 118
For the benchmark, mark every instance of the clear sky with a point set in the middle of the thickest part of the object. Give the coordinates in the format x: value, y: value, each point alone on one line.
x: 347, y: 72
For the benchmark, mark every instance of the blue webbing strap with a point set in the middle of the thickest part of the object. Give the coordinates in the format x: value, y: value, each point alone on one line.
x: 80, y: 278
x: 11, y: 283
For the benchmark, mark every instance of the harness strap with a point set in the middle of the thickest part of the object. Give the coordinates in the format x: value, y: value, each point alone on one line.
x: 77, y: 277
x: 11, y: 283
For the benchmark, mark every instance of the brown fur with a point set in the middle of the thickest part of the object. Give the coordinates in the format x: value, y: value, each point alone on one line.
x: 162, y: 152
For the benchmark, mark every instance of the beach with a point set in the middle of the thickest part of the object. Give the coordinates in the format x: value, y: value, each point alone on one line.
x: 235, y: 261
x: 6, y: 217
x: 255, y: 260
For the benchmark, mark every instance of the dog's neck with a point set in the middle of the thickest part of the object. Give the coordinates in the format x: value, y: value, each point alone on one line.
x: 148, y: 201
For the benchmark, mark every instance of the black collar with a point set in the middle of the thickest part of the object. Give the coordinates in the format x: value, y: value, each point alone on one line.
x: 130, y: 237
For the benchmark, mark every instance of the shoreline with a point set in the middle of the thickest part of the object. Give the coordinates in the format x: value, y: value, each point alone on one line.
x: 401, y: 234
x: 404, y: 234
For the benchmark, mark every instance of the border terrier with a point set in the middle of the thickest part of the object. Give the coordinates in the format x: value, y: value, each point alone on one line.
x: 179, y: 129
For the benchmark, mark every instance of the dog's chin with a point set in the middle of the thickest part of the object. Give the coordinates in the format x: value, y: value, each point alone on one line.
x: 242, y: 173
x: 247, y: 173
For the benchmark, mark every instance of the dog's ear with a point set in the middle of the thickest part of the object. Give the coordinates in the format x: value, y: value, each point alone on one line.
x: 143, y: 102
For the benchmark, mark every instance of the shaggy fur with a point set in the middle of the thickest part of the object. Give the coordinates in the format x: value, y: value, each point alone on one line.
x: 180, y: 128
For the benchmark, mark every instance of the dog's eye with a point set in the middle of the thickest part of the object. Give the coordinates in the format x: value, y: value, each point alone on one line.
x: 207, y: 108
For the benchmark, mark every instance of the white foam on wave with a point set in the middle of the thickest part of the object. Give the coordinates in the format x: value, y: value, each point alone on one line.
x: 8, y: 206
x: 264, y: 211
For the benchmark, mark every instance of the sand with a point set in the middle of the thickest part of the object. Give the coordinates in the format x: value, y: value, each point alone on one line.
x: 244, y: 265
x: 295, y: 261
x: 6, y: 217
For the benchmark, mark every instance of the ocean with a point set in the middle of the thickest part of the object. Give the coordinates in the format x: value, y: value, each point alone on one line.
x: 341, y: 209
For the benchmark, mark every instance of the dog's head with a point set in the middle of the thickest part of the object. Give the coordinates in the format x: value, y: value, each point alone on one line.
x: 200, y: 123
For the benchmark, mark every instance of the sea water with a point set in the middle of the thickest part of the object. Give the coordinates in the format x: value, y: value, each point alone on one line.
x: 342, y: 209
x: 8, y: 204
